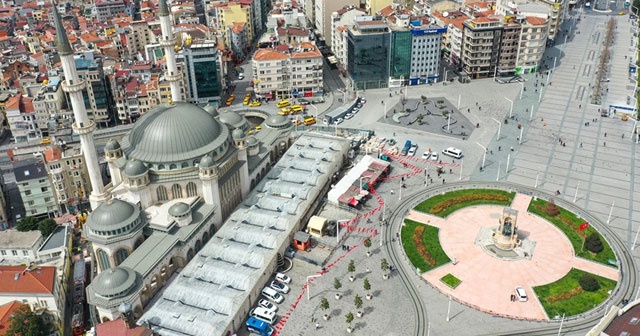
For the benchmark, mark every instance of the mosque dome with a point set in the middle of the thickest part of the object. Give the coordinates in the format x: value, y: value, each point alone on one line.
x: 207, y: 162
x: 212, y: 110
x: 237, y: 134
x: 232, y: 119
x: 173, y: 133
x: 111, y: 215
x: 179, y: 209
x: 112, y: 145
x: 251, y: 140
x: 134, y: 168
x: 114, y: 282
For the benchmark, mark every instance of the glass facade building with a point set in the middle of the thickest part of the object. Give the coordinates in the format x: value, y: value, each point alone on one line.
x: 202, y: 70
x: 400, y: 66
x: 368, y: 45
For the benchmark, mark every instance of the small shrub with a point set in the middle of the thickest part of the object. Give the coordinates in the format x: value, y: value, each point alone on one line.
x: 352, y: 266
x: 337, y: 284
x: 551, y: 209
x: 593, y: 243
x: 589, y: 283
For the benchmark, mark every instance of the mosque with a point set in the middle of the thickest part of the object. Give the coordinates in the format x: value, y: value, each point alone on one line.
x: 176, y: 176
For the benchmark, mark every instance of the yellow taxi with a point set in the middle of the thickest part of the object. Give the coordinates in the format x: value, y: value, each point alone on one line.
x: 309, y: 121
x: 246, y: 101
x: 255, y: 103
x: 258, y: 128
x: 283, y: 103
x: 45, y: 141
x: 284, y: 111
x: 295, y: 109
x: 297, y: 122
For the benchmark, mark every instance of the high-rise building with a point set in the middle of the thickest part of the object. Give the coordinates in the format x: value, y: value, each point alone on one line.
x: 202, y: 71
x: 96, y: 94
x: 368, y: 44
x: 68, y: 175
x: 481, y: 38
x: 322, y: 15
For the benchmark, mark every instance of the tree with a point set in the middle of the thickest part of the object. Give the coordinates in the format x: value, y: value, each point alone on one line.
x: 384, y: 265
x: 26, y: 322
x: 337, y: 284
x: 324, y: 303
x: 589, y: 283
x: 357, y: 301
x: 552, y: 209
x: 367, y: 243
x: 593, y: 243
x: 352, y: 266
x: 366, y: 285
x: 28, y: 223
x: 47, y: 226
x: 348, y: 318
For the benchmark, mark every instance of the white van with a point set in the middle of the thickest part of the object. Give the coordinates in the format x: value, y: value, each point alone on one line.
x: 272, y: 295
x: 521, y: 294
x: 453, y: 152
x: 263, y: 314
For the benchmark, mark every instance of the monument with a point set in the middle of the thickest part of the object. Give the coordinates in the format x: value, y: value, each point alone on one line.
x: 506, y: 236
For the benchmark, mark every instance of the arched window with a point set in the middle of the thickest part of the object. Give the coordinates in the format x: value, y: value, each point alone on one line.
x: 176, y: 190
x: 205, y: 237
x: 192, y: 190
x: 173, y: 166
x: 121, y: 255
x: 138, y: 243
x: 212, y: 230
x: 162, y: 193
x: 160, y: 167
x: 198, y: 245
x: 185, y: 165
x: 190, y: 254
x: 103, y: 259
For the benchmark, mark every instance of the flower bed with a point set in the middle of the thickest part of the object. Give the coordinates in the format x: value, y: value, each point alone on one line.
x: 451, y: 281
x: 422, y: 245
x: 444, y: 205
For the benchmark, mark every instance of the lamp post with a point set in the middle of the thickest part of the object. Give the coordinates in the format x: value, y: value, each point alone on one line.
x: 316, y: 108
x: 633, y: 130
x: 309, y: 277
x: 461, y: 165
x: 511, y: 108
x: 499, y: 128
x: 521, y: 89
x: 338, y: 228
x: 484, y: 154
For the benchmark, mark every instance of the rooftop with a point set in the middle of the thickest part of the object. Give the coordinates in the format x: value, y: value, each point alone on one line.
x: 19, y: 280
x: 19, y: 240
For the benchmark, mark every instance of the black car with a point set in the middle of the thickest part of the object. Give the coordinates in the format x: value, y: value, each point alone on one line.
x: 330, y: 229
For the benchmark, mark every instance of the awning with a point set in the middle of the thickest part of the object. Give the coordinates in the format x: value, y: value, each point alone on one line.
x: 353, y: 202
x: 268, y: 95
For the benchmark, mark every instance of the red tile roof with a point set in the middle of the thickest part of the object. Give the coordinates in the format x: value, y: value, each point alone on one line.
x: 118, y: 328
x: 14, y: 279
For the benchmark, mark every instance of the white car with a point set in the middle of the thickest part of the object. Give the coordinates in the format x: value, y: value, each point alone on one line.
x: 434, y: 156
x: 338, y: 121
x: 426, y: 155
x: 285, y: 279
x: 279, y: 287
x: 355, y: 110
x: 348, y: 116
x: 268, y: 305
x: 412, y: 151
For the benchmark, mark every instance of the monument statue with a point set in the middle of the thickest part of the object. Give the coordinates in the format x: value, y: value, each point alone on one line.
x: 506, y: 236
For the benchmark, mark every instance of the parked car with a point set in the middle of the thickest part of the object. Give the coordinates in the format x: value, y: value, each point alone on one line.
x: 355, y: 110
x: 412, y: 151
x: 272, y: 295
x: 285, y: 279
x: 338, y: 121
x: 453, y: 152
x: 279, y: 287
x: 348, y: 116
x: 268, y: 305
x: 434, y: 156
x: 426, y: 155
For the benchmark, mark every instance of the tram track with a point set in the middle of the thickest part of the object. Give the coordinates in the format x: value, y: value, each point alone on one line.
x: 579, y: 324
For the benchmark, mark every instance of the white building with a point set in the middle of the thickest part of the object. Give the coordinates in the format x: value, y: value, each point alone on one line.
x: 340, y: 21
x: 19, y: 247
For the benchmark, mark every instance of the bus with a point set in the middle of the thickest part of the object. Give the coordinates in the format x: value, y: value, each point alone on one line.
x: 259, y: 327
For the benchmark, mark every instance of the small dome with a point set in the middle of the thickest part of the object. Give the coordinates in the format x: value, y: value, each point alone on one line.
x: 212, y: 110
x: 112, y: 145
x: 237, y: 134
x: 125, y: 307
x: 179, y: 209
x: 114, y: 281
x: 207, y: 161
x: 252, y: 140
x: 134, y: 168
x: 231, y: 118
x: 277, y: 121
x: 111, y: 214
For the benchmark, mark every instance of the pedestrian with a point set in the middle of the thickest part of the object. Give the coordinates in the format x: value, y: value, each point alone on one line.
x: 605, y: 134
x: 580, y: 106
x: 391, y: 191
x: 512, y: 148
x: 499, y: 148
x: 492, y: 152
x: 623, y: 135
x: 605, y: 144
x: 450, y: 171
x: 442, y: 181
x: 317, y: 325
x: 581, y: 145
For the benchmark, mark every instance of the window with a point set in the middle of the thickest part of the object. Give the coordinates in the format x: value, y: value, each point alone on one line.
x: 14, y: 252
x: 27, y: 192
x: 3, y: 252
x: 44, y: 189
x: 25, y: 253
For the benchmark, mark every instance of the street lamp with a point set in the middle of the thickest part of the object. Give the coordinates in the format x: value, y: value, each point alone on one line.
x: 499, y: 128
x: 511, y: 101
x: 316, y: 108
x: 484, y: 155
x: 309, y: 277
x: 338, y: 228
x: 521, y: 90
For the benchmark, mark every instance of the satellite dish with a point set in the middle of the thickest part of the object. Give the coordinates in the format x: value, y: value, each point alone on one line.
x: 445, y: 14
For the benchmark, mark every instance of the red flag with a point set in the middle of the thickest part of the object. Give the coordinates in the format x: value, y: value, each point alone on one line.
x: 584, y: 226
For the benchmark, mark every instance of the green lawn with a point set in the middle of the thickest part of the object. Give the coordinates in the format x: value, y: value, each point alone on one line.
x: 473, y: 196
x: 451, y: 280
x: 537, y: 207
x: 429, y: 239
x: 576, y: 304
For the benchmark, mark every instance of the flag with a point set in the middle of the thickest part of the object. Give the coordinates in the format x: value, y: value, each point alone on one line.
x: 584, y: 226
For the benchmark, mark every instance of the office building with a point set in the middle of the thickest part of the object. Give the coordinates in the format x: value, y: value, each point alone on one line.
x: 202, y: 68
x: 368, y: 45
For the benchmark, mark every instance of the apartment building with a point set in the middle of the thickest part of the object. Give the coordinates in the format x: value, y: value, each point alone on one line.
x: 19, y: 248
x: 373, y: 7
x: 287, y: 72
x: 368, y: 46
x: 341, y: 20
x: 49, y: 102
x: 68, y: 175
x: 22, y: 119
x: 322, y: 14
x: 481, y: 39
x: 229, y: 14
x: 532, y: 43
x: 286, y: 15
x: 138, y: 35
x: 35, y: 188
x: 106, y: 9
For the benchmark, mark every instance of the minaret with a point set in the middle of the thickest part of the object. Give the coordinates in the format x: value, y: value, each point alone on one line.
x: 168, y: 42
x: 83, y: 126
